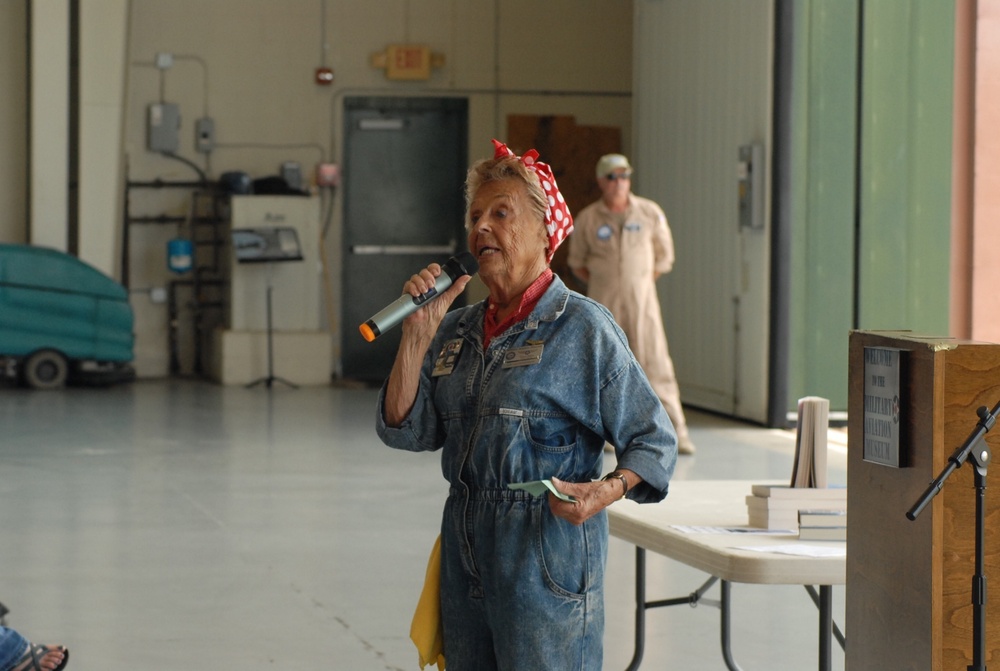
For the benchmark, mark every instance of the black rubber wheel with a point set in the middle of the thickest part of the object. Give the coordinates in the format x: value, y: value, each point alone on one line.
x: 45, y: 369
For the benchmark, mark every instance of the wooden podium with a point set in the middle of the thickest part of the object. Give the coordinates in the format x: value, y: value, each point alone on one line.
x: 909, y: 583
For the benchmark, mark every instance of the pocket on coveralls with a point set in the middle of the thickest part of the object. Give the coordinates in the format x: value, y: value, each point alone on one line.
x: 564, y: 555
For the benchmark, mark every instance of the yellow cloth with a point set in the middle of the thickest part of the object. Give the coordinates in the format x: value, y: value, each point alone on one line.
x: 425, y: 630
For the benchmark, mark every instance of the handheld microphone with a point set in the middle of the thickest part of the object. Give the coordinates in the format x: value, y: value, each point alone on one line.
x: 463, y: 263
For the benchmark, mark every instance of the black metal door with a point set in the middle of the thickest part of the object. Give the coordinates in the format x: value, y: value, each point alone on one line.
x: 403, y: 172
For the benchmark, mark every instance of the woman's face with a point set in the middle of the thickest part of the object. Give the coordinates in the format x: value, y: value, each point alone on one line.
x: 505, y: 236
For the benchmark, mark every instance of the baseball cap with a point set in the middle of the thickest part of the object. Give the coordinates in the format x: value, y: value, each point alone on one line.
x: 611, y: 162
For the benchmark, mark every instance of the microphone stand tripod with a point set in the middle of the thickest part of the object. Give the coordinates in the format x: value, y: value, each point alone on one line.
x: 981, y: 458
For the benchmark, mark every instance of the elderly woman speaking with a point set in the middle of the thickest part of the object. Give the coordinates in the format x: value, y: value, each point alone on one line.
x: 523, y: 387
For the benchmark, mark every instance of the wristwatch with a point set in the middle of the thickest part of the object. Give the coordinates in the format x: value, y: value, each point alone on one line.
x: 619, y: 476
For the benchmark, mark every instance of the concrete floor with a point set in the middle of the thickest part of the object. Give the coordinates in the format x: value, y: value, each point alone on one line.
x: 171, y: 525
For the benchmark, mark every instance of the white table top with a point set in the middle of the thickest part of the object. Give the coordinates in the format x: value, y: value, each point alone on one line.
x: 721, y: 503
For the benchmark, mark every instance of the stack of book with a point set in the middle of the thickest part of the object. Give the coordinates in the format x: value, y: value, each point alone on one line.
x: 823, y: 525
x: 809, y: 469
x: 778, y: 506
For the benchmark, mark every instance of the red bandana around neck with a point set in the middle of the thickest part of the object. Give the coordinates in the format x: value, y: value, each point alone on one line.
x: 530, y: 298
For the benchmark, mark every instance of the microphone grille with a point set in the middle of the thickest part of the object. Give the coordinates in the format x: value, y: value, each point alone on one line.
x: 466, y: 262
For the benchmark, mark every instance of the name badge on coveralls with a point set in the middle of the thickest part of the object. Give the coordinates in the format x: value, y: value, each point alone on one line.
x: 445, y: 363
x: 523, y: 356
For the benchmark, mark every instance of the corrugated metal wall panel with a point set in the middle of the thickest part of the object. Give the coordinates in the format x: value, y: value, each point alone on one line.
x: 702, y: 88
x: 822, y: 200
x: 905, y: 191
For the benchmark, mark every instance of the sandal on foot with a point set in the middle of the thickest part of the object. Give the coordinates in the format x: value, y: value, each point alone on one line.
x: 34, y: 655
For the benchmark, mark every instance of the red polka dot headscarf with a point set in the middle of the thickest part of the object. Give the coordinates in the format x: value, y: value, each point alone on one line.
x: 558, y: 221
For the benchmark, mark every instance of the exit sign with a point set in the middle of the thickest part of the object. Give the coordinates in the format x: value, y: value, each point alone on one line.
x: 408, y: 61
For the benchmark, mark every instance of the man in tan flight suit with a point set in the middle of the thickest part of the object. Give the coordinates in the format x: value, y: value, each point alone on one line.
x: 619, y: 246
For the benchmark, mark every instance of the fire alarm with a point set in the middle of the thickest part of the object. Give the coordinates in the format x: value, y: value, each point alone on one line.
x: 324, y: 76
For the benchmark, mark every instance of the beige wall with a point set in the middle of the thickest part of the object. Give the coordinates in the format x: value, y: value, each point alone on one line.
x: 103, y: 35
x: 249, y: 65
x: 260, y: 55
x: 48, y: 141
x: 13, y: 120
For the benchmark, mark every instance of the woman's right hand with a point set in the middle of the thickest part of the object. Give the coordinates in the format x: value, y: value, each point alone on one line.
x: 418, y: 332
x: 423, y: 323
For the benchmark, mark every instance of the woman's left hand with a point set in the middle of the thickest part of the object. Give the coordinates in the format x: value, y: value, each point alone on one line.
x: 591, y: 498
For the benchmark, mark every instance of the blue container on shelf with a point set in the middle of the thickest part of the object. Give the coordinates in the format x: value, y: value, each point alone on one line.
x: 180, y: 255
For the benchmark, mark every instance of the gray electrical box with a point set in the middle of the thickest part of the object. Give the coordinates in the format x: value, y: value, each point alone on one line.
x: 163, y: 127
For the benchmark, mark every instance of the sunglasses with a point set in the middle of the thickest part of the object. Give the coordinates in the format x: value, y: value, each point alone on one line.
x: 619, y: 175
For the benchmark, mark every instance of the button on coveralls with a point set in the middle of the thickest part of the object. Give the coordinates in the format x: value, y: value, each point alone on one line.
x: 521, y: 589
x: 622, y: 252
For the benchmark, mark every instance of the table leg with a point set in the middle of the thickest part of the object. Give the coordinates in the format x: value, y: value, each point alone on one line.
x: 725, y: 629
x: 839, y: 635
x: 641, y: 605
x: 823, y: 601
x: 640, y: 608
x: 825, y: 627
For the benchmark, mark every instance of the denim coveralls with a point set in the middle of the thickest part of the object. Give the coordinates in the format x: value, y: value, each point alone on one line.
x: 12, y: 647
x: 520, y: 588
